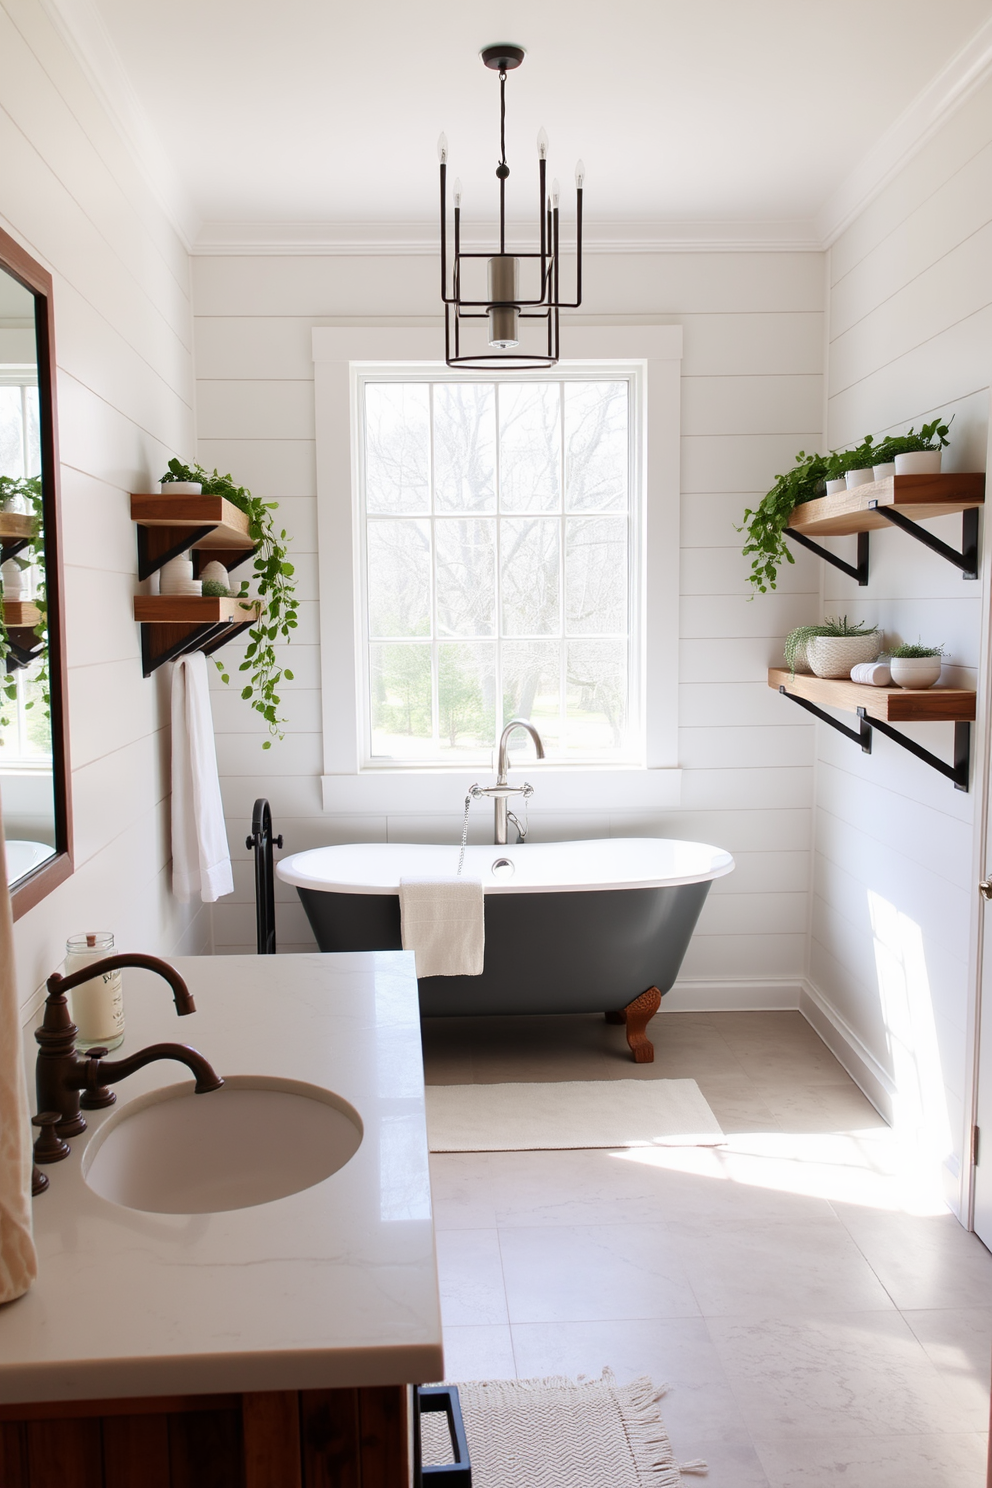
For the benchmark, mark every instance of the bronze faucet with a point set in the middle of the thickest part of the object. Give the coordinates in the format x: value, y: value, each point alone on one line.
x: 61, y: 1074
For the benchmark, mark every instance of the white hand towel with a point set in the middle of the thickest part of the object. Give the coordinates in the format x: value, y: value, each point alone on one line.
x: 442, y: 920
x: 201, y: 860
x: 18, y: 1258
x: 874, y: 673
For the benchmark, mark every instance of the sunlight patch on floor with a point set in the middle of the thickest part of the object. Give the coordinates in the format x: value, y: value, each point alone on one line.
x: 874, y: 1168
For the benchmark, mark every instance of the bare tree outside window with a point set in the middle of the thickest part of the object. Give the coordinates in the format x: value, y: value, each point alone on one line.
x: 498, y: 538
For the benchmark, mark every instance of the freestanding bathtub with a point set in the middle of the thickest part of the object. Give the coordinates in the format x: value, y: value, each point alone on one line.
x: 571, y: 927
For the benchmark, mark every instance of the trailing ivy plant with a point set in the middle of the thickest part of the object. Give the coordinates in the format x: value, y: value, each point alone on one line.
x: 766, y: 523
x: 276, y: 586
x: 28, y: 489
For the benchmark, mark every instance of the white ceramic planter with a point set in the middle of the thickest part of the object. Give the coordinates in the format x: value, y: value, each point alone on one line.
x: 181, y: 488
x: 863, y: 477
x: 13, y: 579
x: 919, y: 462
x: 915, y: 671
x: 216, y: 573
x: 882, y: 472
x: 834, y: 656
x: 836, y: 485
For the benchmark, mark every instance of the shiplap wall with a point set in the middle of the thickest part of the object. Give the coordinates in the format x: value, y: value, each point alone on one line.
x: 73, y: 196
x: 751, y: 396
x: 910, y: 335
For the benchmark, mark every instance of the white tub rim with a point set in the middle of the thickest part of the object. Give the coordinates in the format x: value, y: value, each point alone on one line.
x: 293, y: 869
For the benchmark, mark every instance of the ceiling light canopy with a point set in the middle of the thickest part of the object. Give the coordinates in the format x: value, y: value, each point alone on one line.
x: 507, y: 300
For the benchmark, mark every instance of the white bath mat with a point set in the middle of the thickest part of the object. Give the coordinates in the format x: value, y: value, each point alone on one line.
x: 569, y: 1113
x: 560, y: 1433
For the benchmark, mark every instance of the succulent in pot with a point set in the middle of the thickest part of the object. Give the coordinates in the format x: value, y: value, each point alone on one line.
x: 916, y: 665
x: 833, y: 648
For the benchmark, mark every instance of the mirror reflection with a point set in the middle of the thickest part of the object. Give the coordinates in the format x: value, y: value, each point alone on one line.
x: 27, y: 785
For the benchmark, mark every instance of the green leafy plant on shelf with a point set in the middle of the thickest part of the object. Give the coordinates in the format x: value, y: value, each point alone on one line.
x: 797, y: 640
x: 914, y: 652
x: 765, y: 524
x: 932, y: 436
x: 275, y: 585
x: 26, y: 489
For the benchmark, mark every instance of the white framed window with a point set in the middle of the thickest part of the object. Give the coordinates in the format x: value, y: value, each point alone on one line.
x: 500, y: 527
x: 619, y: 758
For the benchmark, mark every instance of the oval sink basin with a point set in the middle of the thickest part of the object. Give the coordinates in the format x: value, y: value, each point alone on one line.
x: 254, y: 1140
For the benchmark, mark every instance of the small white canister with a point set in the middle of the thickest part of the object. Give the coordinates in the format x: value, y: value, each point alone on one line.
x: 97, y: 1005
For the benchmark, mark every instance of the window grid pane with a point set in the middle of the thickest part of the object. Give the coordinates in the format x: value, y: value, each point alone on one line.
x: 527, y: 541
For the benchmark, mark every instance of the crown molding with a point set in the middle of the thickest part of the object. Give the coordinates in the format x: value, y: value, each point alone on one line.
x: 929, y: 110
x: 403, y: 239
x: 83, y: 30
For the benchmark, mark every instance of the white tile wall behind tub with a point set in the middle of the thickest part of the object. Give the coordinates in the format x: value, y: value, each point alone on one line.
x: 74, y: 197
x: 910, y: 330
x: 752, y: 396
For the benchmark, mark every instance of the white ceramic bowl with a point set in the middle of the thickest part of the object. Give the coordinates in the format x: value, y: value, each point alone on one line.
x: 181, y: 488
x: 915, y: 671
x: 919, y: 462
x: 836, y: 485
x: 863, y: 477
x: 882, y: 472
x: 834, y: 656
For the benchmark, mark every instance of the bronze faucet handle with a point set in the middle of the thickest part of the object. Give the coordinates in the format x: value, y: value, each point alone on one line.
x: 96, y: 1096
x: 49, y: 1146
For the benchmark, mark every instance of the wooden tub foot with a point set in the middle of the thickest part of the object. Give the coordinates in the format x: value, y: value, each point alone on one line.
x: 636, y: 1015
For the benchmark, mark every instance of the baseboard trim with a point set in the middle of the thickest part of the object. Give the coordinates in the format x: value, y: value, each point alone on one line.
x: 742, y: 995
x: 845, y: 1045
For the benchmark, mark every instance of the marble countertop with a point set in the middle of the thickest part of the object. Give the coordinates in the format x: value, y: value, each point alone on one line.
x: 335, y: 1286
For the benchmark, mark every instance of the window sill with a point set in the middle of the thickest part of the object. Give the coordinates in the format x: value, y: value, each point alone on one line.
x: 565, y: 788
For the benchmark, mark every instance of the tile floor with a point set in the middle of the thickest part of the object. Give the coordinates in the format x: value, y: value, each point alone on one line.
x: 818, y: 1315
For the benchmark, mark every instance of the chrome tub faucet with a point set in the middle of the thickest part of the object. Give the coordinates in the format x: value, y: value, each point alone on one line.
x: 502, y: 790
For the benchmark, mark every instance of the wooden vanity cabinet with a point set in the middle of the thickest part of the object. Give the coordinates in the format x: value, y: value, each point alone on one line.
x: 358, y: 1438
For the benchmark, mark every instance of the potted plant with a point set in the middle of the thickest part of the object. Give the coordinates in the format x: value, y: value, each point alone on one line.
x: 912, y: 453
x: 23, y: 496
x: 916, y: 666
x: 275, y: 586
x: 832, y: 648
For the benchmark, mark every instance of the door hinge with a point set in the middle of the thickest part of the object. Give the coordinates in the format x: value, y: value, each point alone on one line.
x: 975, y: 1135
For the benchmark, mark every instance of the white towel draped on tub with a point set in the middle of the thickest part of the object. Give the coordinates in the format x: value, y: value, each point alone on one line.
x: 201, y: 861
x: 442, y: 920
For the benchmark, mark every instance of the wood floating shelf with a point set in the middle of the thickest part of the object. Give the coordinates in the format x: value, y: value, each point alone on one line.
x: 173, y: 625
x: 20, y: 614
x: 898, y: 501
x: 16, y: 531
x: 170, y: 525
x: 880, y: 707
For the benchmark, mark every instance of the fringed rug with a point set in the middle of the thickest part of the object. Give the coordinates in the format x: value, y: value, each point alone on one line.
x: 561, y: 1433
x: 569, y: 1113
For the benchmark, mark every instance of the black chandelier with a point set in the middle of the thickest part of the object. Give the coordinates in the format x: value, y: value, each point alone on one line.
x: 504, y: 306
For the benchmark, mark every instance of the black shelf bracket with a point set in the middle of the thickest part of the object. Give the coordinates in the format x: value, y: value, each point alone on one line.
x: 860, y: 736
x: 966, y: 560
x: 12, y: 547
x: 859, y: 574
x: 152, y: 557
x: 20, y: 654
x: 455, y: 1474
x: 958, y: 772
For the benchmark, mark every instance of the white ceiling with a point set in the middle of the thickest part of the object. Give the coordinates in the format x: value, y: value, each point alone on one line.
x: 717, y: 111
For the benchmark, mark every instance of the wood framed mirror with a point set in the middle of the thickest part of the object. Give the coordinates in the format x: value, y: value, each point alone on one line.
x: 35, y: 783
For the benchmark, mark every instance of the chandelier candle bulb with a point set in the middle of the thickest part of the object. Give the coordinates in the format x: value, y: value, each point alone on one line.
x: 457, y: 192
x: 580, y: 175
x: 442, y: 148
x: 542, y: 144
x: 97, y: 1005
x: 555, y: 193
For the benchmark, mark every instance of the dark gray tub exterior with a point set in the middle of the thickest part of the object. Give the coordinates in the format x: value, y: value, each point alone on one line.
x: 573, y: 952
